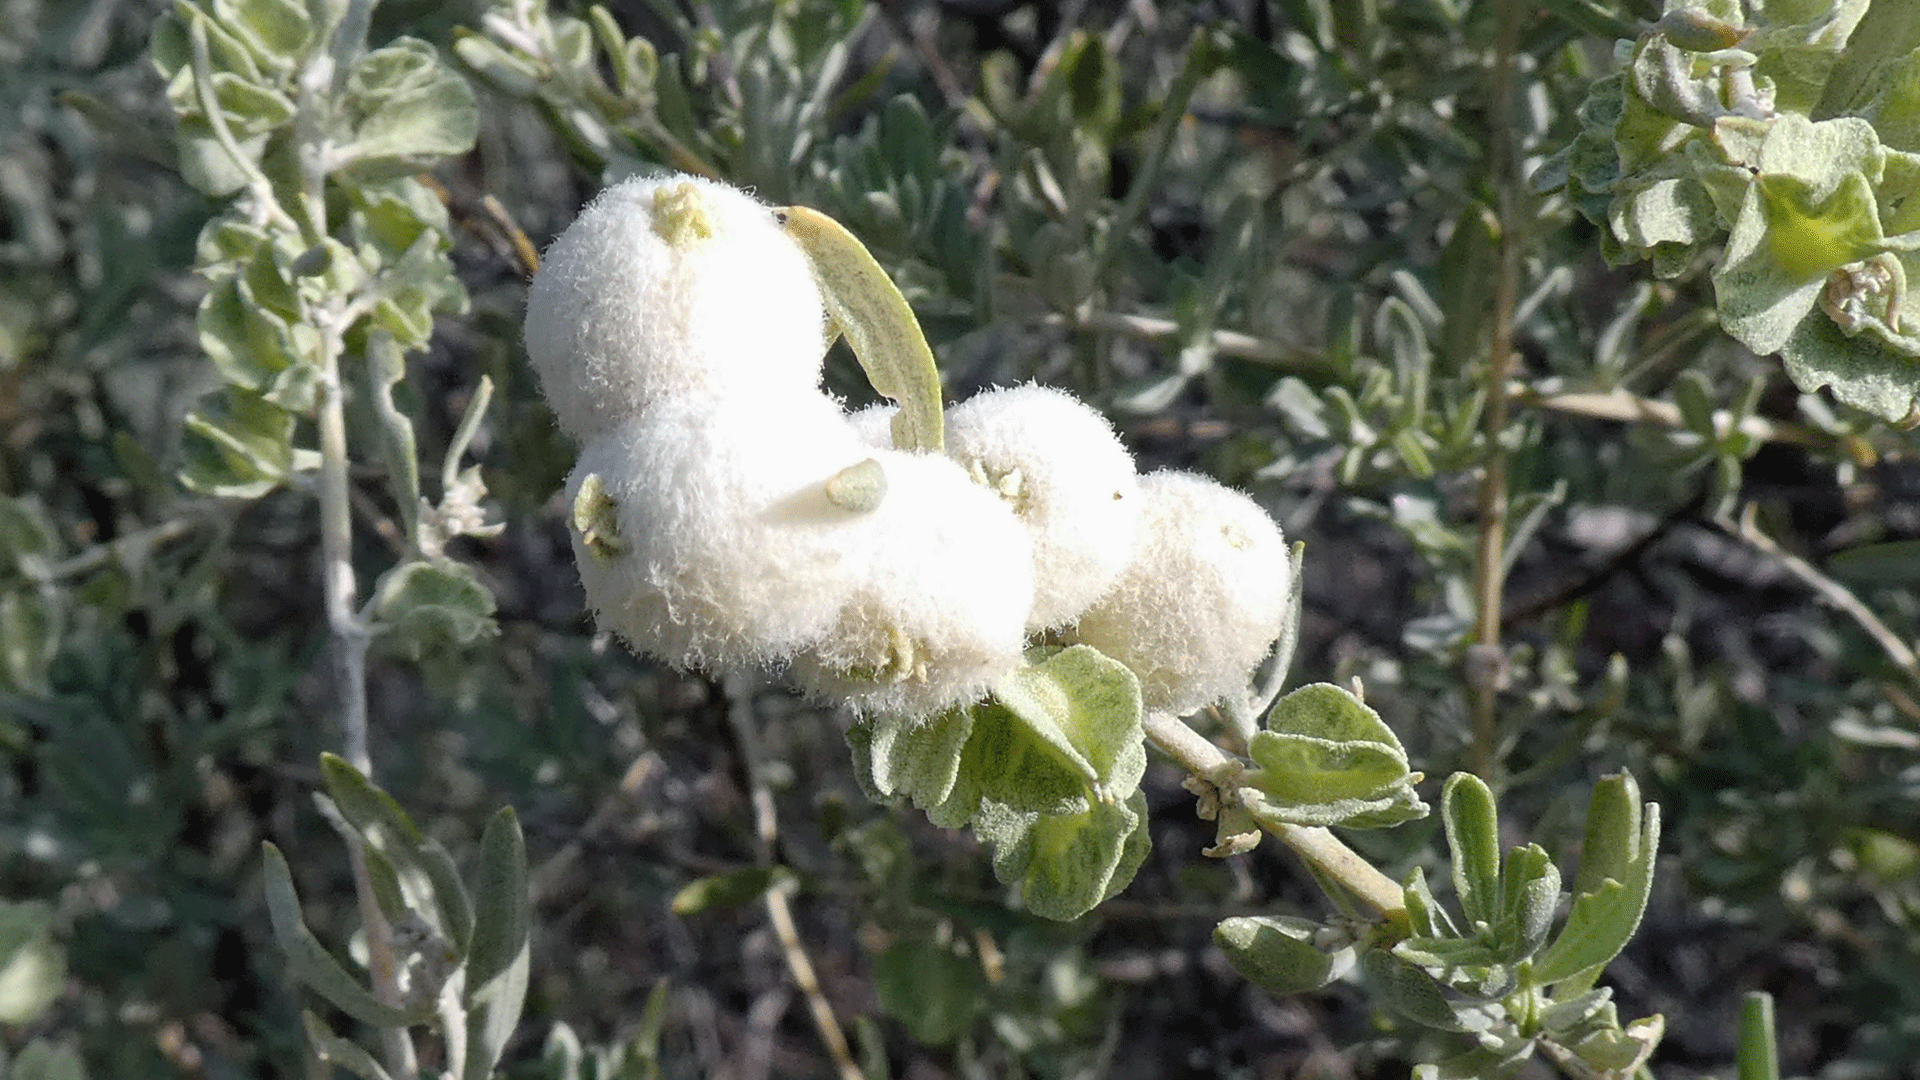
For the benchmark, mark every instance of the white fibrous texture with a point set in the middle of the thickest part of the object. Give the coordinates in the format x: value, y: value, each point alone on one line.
x: 668, y: 286
x: 942, y: 586
x: 1058, y: 464
x: 727, y: 553
x: 874, y: 424
x: 1200, y: 603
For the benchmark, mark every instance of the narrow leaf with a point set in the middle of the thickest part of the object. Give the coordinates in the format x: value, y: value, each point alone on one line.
x: 310, y: 962
x: 1473, y: 835
x: 878, y: 323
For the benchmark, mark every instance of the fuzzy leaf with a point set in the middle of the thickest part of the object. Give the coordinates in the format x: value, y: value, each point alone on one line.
x: 429, y: 605
x: 1326, y: 758
x: 1473, y: 835
x: 878, y: 324
x: 238, y: 445
x: 497, y: 962
x: 404, y: 110
x: 1275, y: 953
x: 310, y: 962
x: 1066, y: 863
x: 931, y: 989
x: 1088, y: 706
x: 1612, y: 886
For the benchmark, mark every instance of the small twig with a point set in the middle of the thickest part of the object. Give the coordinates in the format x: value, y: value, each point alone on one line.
x: 258, y: 185
x: 1486, y: 668
x: 113, y: 550
x: 779, y: 912
x: 1630, y: 408
x: 1834, y: 593
x: 523, y: 249
x: 1320, y: 848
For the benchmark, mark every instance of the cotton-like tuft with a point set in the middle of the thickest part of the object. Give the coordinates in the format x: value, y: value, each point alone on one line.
x: 727, y: 554
x: 1056, y: 461
x: 944, y: 584
x: 1200, y: 602
x: 874, y: 424
x: 666, y: 286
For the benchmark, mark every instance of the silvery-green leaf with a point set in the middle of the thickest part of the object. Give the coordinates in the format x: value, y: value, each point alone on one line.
x: 1088, y: 706
x: 931, y: 989
x: 1612, y: 886
x: 237, y: 444
x: 33, y: 967
x: 1275, y: 953
x: 277, y: 30
x: 1473, y: 837
x: 1529, y: 896
x: 920, y: 760
x: 1414, y: 994
x: 335, y: 1050
x: 1758, y: 1055
x: 427, y: 605
x: 497, y: 962
x: 404, y: 110
x: 1065, y: 864
x: 1863, y: 370
x: 310, y: 962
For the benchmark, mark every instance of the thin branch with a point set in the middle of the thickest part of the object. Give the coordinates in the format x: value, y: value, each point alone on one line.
x: 1321, y: 849
x: 1834, y: 593
x: 1486, y: 668
x: 779, y: 912
x: 257, y: 183
x: 1630, y: 408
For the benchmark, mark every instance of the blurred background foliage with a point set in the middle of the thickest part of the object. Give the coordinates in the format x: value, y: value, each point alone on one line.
x: 1266, y: 236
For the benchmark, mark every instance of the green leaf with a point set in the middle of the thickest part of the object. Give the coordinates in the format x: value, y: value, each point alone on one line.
x: 386, y: 828
x: 1863, y: 370
x: 878, y: 323
x: 238, y: 445
x: 277, y: 29
x: 30, y: 630
x: 1529, y: 896
x: 1757, y: 1057
x: 920, y: 760
x: 1087, y: 706
x: 1473, y: 836
x: 310, y: 962
x: 731, y: 889
x: 33, y: 968
x: 44, y: 1059
x: 335, y: 1050
x: 404, y: 110
x: 1326, y: 758
x: 1065, y: 864
x: 497, y: 962
x: 1417, y: 996
x: 1893, y: 564
x: 1274, y: 952
x: 425, y: 606
x: 931, y: 989
x: 1610, y: 890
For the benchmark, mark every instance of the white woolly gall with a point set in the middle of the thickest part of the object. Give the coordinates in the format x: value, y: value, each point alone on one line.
x: 670, y: 285
x: 943, y: 585
x: 725, y: 550
x: 1056, y: 461
x: 1200, y: 603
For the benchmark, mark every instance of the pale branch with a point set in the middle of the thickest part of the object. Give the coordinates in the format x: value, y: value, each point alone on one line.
x: 1834, y: 593
x: 1319, y: 847
x: 779, y: 913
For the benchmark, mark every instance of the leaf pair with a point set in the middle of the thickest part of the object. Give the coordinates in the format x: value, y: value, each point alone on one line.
x: 1047, y: 771
x: 483, y: 933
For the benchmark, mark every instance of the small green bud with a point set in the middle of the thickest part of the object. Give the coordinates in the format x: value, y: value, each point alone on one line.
x: 595, y: 519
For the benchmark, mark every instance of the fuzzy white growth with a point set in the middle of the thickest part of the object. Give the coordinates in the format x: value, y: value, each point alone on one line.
x: 874, y: 424
x: 667, y: 286
x: 1056, y: 461
x: 728, y: 554
x: 1200, y: 603
x: 943, y: 583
